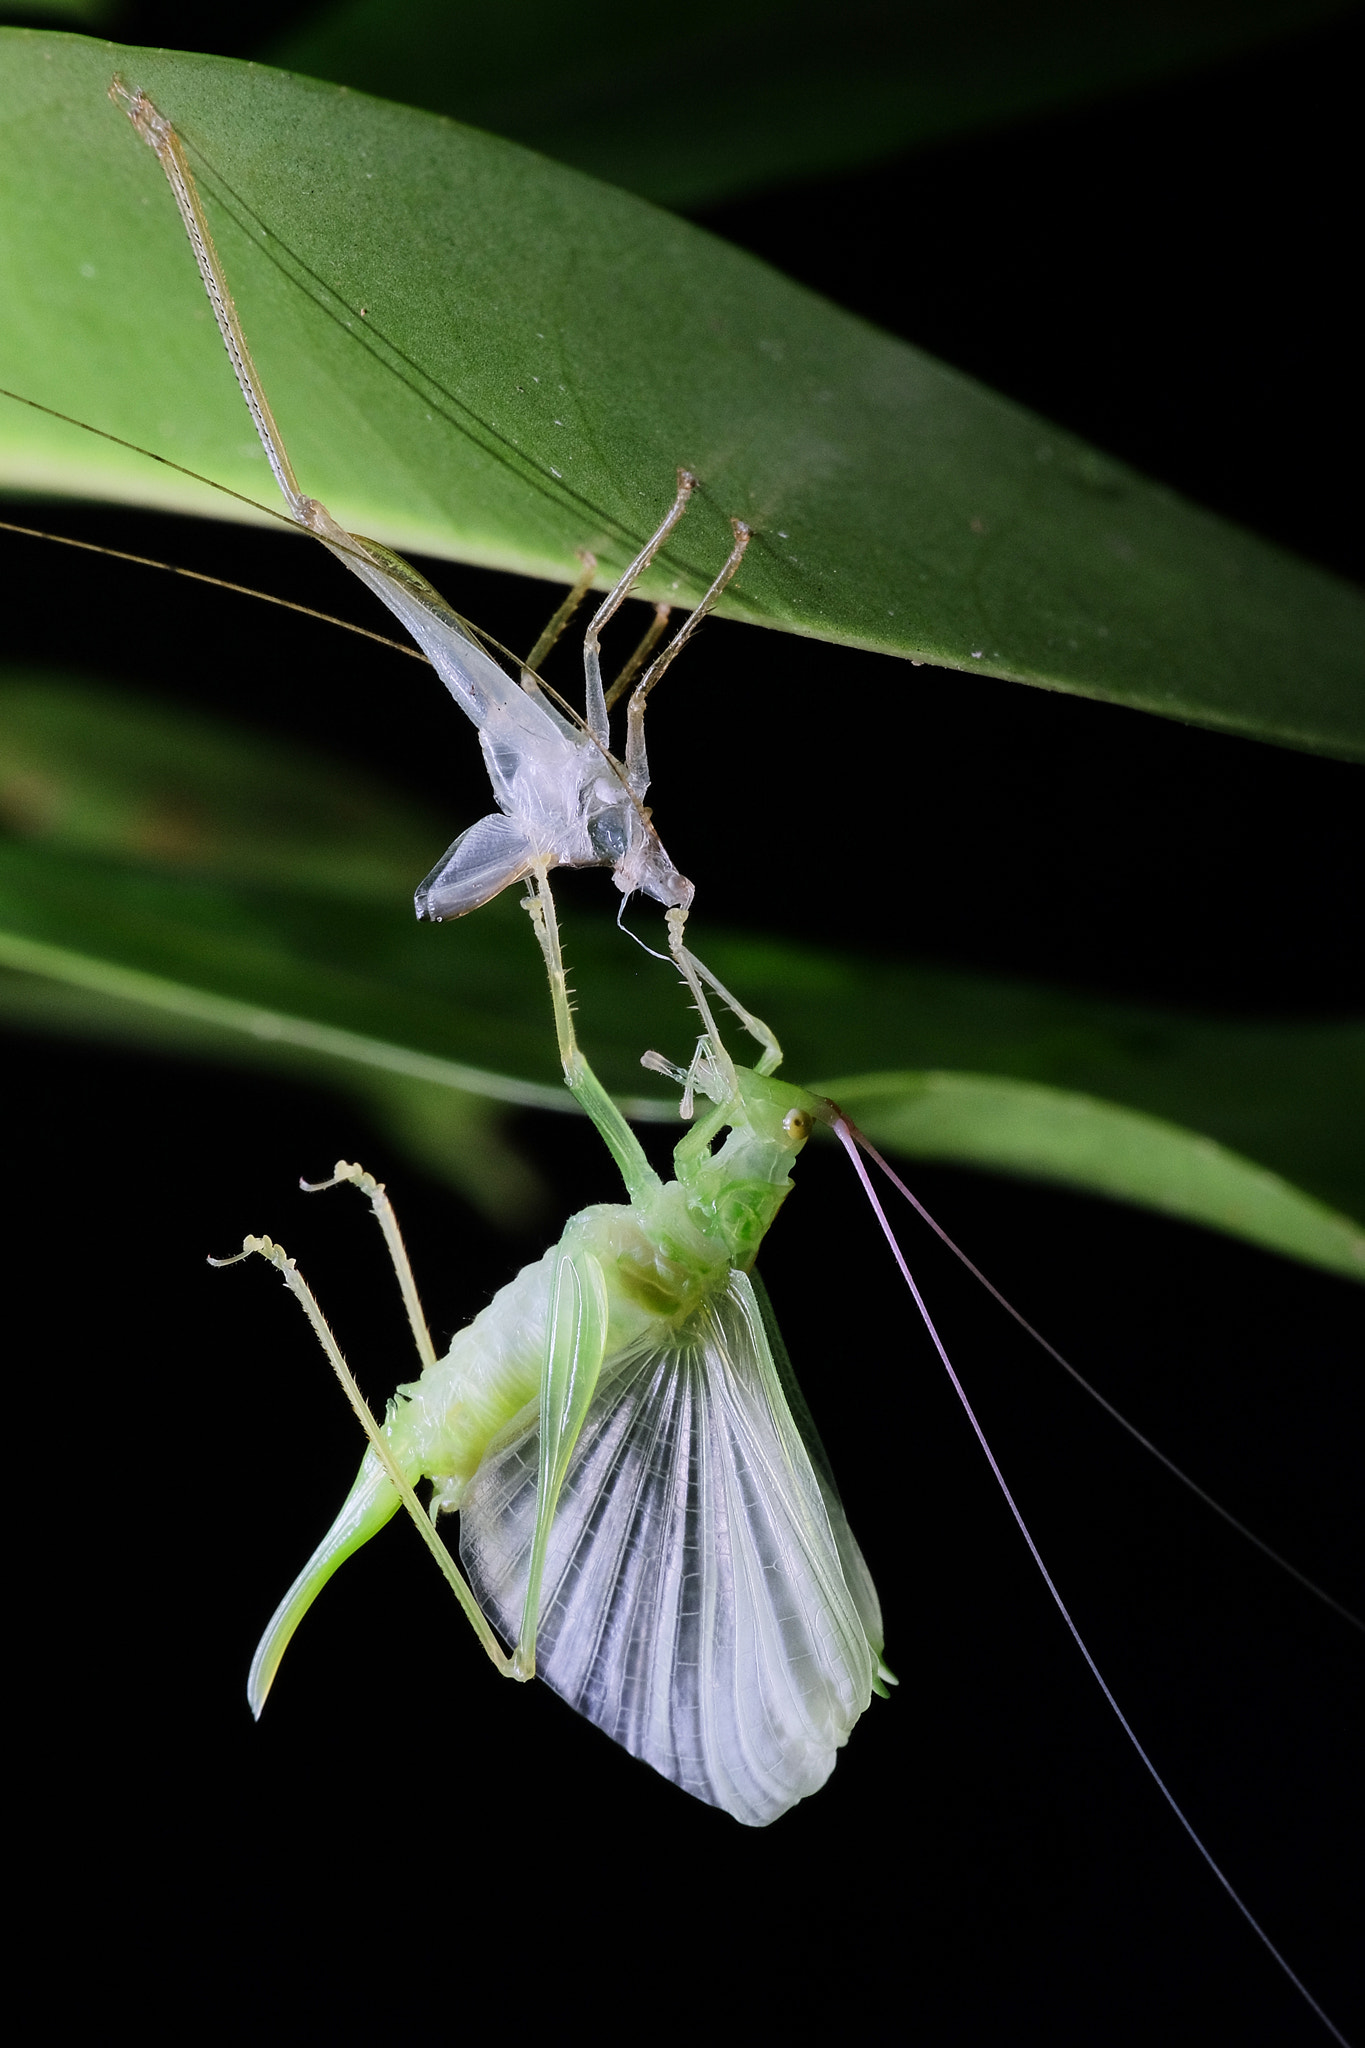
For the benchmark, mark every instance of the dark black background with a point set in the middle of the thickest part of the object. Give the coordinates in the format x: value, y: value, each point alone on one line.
x: 1168, y: 273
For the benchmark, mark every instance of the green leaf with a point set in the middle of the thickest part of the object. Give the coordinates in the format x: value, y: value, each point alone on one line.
x: 223, y: 931
x: 743, y: 93
x: 1051, y: 1134
x: 574, y: 346
x: 98, y: 772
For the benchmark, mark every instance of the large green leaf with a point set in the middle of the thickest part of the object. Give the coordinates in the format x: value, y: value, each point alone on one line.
x: 739, y: 93
x: 574, y: 346
x: 1048, y: 1134
x: 198, y: 889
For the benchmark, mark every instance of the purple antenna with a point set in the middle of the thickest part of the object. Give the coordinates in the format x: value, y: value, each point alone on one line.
x: 1117, y: 1414
x: 849, y: 1139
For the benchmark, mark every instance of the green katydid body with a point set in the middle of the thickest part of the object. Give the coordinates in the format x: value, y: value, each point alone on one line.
x: 639, y: 1509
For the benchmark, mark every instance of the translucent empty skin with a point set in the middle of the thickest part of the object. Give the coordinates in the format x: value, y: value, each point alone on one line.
x: 645, y: 1510
x: 564, y: 800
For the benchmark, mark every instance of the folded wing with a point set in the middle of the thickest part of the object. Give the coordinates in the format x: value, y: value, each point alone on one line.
x: 695, y: 1607
x: 481, y: 863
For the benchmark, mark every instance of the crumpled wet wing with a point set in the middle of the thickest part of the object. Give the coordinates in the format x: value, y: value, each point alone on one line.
x: 481, y: 863
x: 694, y: 1604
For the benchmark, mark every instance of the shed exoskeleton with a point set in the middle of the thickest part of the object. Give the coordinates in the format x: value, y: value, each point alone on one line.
x: 564, y: 800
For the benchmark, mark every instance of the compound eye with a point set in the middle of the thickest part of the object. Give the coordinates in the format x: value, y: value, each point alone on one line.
x: 798, y: 1124
x: 610, y: 836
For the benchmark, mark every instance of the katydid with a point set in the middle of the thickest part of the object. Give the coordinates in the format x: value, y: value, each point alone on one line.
x: 641, y: 1511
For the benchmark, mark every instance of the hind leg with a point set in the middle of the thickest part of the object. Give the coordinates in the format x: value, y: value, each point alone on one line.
x: 276, y: 1256
x: 347, y: 1170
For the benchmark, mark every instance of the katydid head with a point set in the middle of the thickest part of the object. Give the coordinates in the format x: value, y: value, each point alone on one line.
x: 735, y: 1164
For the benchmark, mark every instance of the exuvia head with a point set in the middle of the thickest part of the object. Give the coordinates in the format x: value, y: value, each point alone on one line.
x: 642, y: 862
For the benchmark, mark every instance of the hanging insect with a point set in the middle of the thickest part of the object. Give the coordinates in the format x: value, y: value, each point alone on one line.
x: 645, y: 1509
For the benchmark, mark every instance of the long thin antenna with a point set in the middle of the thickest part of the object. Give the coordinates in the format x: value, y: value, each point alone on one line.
x: 287, y: 604
x: 1258, y: 1542
x: 847, y: 1137
x: 266, y: 511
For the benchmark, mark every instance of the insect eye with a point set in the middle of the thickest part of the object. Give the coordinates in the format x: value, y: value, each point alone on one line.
x: 797, y: 1124
x: 609, y: 835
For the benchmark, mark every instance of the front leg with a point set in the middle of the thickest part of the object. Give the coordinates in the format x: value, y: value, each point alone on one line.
x: 596, y: 702
x: 637, y: 761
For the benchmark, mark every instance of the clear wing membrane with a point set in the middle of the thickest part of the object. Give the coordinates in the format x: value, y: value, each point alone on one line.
x: 695, y: 1606
x: 481, y: 863
x: 474, y: 679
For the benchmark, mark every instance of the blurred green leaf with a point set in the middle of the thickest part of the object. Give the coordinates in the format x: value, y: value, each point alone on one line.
x: 85, y: 768
x: 574, y: 346
x: 234, y: 936
x: 1047, y: 1134
x: 742, y: 93
x: 86, y: 13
